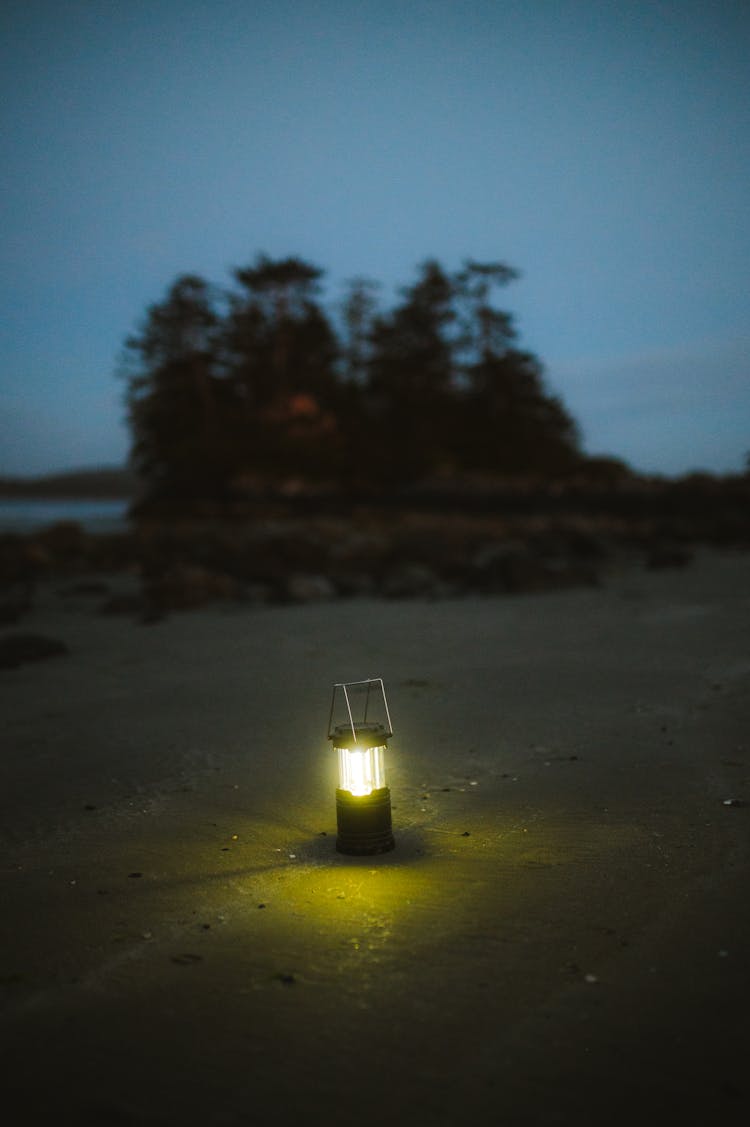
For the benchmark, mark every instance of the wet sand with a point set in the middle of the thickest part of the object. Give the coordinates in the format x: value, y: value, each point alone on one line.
x: 560, y: 936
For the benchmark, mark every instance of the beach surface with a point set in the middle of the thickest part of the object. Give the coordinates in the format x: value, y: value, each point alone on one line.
x: 560, y: 936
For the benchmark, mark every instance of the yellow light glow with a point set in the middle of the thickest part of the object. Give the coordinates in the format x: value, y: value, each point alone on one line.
x: 361, y: 770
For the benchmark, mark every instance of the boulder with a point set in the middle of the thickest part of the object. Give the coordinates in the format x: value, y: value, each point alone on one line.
x: 303, y: 587
x: 16, y: 649
x: 412, y: 580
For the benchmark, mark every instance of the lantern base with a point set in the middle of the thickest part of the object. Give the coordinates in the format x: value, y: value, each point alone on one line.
x: 364, y: 822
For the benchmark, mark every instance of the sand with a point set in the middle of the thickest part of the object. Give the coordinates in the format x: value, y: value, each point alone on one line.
x: 560, y: 936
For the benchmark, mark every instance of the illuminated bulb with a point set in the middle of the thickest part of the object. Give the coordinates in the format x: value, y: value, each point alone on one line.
x: 361, y: 770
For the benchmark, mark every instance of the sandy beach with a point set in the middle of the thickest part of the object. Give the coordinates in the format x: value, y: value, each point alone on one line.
x: 560, y: 936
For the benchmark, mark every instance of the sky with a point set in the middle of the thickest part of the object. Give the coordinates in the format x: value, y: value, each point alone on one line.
x: 601, y: 147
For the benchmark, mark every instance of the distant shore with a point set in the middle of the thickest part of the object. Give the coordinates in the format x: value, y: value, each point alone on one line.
x: 83, y: 484
x: 27, y: 516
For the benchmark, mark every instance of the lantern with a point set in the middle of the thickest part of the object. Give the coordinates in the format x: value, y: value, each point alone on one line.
x: 359, y: 733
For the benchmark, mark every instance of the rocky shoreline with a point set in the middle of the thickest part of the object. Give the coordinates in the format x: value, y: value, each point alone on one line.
x: 303, y: 546
x: 179, y: 566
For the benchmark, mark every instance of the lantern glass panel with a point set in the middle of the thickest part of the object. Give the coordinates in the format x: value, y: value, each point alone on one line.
x: 361, y: 770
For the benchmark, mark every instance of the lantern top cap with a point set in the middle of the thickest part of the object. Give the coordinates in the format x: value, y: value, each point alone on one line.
x: 363, y: 736
x: 359, y: 713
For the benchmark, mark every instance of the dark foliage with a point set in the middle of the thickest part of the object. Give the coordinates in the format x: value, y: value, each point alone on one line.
x: 228, y: 389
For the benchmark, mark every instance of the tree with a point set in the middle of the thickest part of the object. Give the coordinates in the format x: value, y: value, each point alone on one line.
x: 254, y: 383
x: 176, y: 399
x: 281, y: 353
x: 507, y: 422
x: 510, y: 424
x: 411, y: 374
x: 359, y: 311
x: 485, y: 331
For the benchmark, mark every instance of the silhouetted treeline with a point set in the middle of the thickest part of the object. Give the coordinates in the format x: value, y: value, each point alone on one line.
x: 228, y: 388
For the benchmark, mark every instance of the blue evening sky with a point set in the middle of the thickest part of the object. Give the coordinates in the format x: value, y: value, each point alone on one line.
x: 600, y: 146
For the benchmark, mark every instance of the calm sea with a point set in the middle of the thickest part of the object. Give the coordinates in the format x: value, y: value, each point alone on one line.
x: 29, y: 515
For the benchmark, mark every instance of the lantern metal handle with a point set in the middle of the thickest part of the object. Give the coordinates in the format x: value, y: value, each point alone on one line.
x: 344, y: 686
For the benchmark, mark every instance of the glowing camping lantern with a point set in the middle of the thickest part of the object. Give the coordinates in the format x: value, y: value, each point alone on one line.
x: 363, y: 801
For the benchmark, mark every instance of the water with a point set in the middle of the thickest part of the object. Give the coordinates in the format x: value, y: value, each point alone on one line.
x: 25, y: 514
